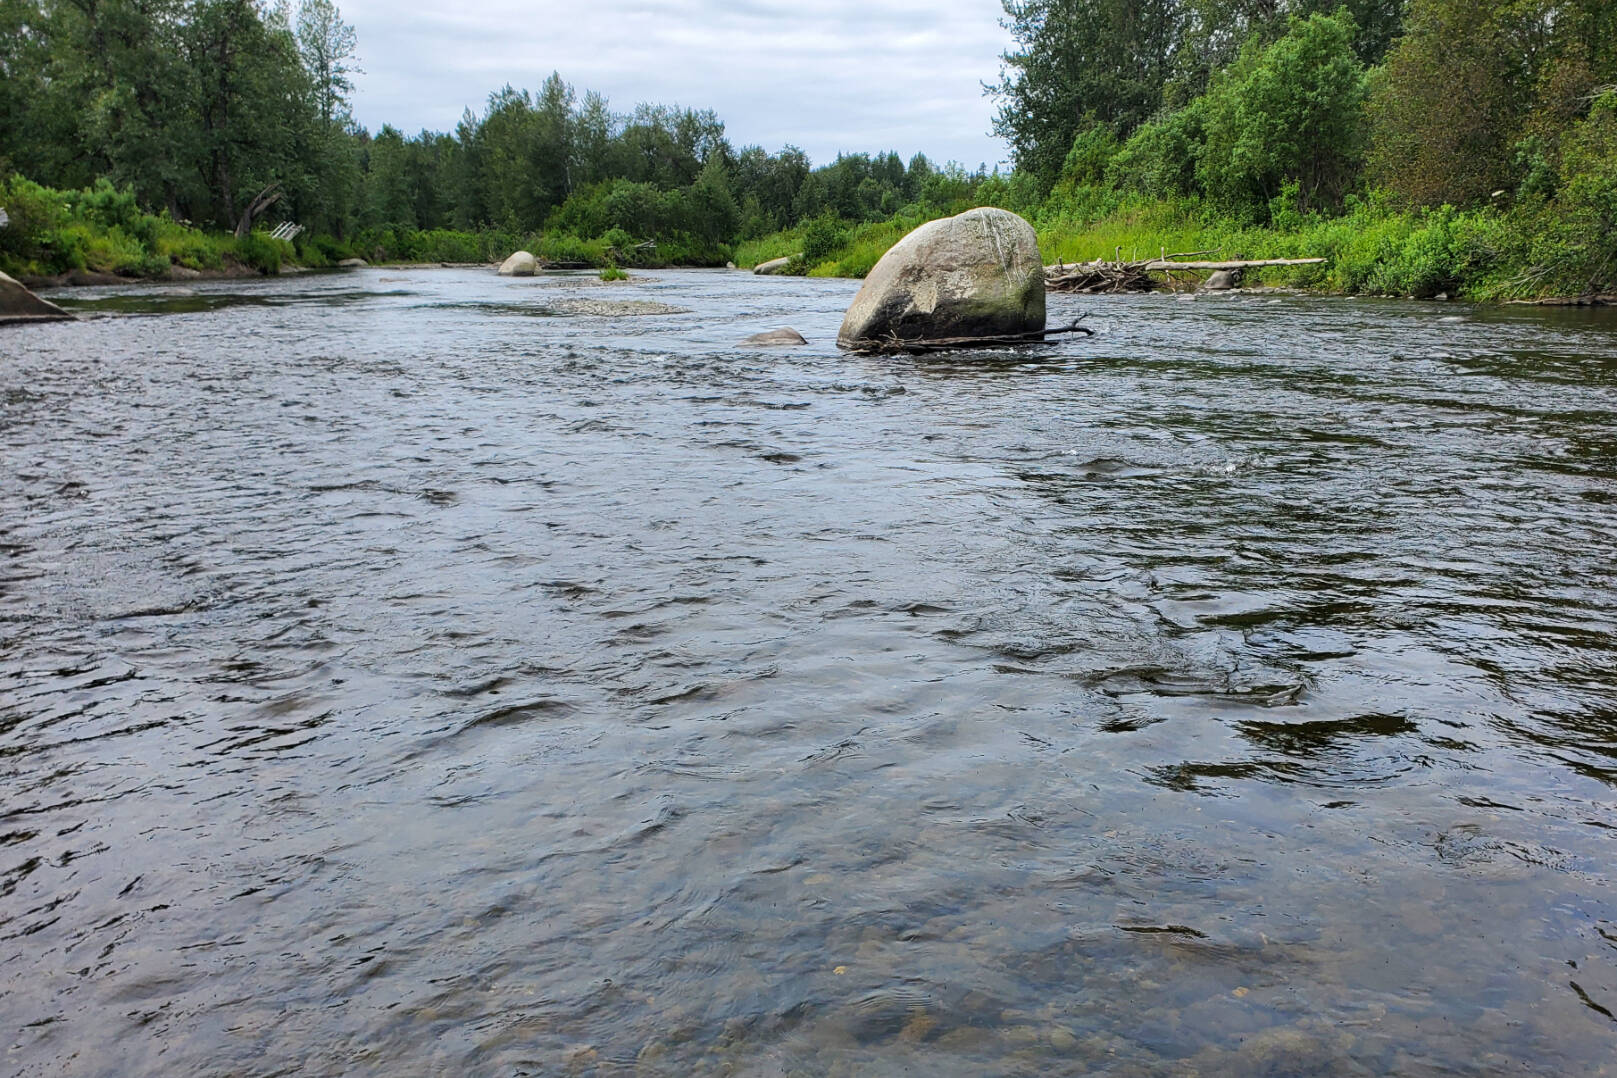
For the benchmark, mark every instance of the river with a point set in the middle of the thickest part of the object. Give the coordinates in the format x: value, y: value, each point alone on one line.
x: 416, y: 671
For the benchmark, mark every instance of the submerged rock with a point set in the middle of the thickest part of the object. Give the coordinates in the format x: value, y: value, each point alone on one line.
x: 17, y: 304
x: 786, y: 337
x: 614, y: 308
x: 773, y: 268
x: 521, y: 264
x: 974, y: 275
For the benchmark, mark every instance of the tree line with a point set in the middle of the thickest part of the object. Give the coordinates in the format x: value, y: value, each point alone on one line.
x: 1483, y: 136
x: 1434, y: 101
x: 198, y: 106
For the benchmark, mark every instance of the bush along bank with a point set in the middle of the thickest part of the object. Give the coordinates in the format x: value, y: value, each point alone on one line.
x: 1372, y: 247
x: 99, y: 234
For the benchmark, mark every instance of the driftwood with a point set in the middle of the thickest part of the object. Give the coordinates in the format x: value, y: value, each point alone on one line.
x: 1107, y: 277
x: 1098, y: 276
x: 261, y: 202
x: 896, y: 345
x: 1162, y: 264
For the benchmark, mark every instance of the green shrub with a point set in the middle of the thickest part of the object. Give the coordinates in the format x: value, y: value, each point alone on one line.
x: 617, y: 243
x: 258, y: 250
x: 190, y: 248
x: 822, y: 236
x: 1092, y: 151
x: 329, y: 249
x: 564, y: 247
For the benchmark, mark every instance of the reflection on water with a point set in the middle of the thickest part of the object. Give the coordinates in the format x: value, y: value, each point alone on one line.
x: 386, y: 687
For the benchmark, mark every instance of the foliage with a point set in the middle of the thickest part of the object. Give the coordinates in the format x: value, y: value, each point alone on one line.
x: 1160, y: 158
x: 1475, y: 96
x: 1140, y: 127
x: 1079, y: 64
x: 1290, y: 111
x: 822, y: 236
x: 1578, y: 251
x: 258, y: 250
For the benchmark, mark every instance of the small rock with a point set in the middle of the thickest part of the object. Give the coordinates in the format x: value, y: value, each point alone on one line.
x: 773, y: 268
x: 183, y: 273
x: 353, y: 263
x: 520, y: 264
x: 775, y: 338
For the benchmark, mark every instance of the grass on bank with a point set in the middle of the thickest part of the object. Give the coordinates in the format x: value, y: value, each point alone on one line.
x: 101, y: 228
x: 1372, y: 247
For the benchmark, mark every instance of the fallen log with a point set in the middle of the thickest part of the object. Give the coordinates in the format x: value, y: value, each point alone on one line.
x: 1112, y: 277
x: 893, y: 345
x: 1098, y: 276
x: 1159, y: 264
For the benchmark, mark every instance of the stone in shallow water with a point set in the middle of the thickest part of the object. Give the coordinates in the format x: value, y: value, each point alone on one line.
x: 615, y: 308
x: 785, y: 337
x: 17, y: 304
x: 520, y: 264
x: 974, y: 275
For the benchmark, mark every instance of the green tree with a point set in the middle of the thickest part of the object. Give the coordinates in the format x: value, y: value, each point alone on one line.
x: 250, y: 100
x: 327, y: 47
x: 389, y: 201
x: 1293, y: 111
x: 1588, y: 202
x: 1079, y: 63
x: 1445, y: 111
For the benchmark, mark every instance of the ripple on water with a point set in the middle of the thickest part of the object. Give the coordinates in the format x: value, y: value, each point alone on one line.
x: 429, y: 674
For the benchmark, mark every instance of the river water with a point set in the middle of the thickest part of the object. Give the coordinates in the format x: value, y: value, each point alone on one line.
x: 411, y: 671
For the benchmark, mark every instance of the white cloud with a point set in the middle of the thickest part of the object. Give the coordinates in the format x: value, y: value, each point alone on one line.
x: 827, y: 76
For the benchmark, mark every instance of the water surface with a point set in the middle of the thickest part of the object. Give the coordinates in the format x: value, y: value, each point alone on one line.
x: 409, y: 672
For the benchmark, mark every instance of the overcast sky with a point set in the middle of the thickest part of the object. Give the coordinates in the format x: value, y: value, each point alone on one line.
x: 823, y: 75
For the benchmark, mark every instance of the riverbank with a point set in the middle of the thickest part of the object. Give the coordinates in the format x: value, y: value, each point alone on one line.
x: 1372, y: 248
x: 100, y: 236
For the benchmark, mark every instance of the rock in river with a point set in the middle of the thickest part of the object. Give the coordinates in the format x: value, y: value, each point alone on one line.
x: 786, y: 337
x: 1223, y: 280
x: 521, y: 264
x: 773, y: 268
x: 975, y: 275
x: 17, y: 304
x: 353, y: 263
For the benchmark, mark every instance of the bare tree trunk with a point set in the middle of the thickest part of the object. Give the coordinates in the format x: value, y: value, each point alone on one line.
x: 261, y: 202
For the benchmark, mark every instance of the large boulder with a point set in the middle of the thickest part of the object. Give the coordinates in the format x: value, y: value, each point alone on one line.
x: 521, y: 264
x: 975, y: 275
x: 1223, y: 280
x: 17, y: 304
